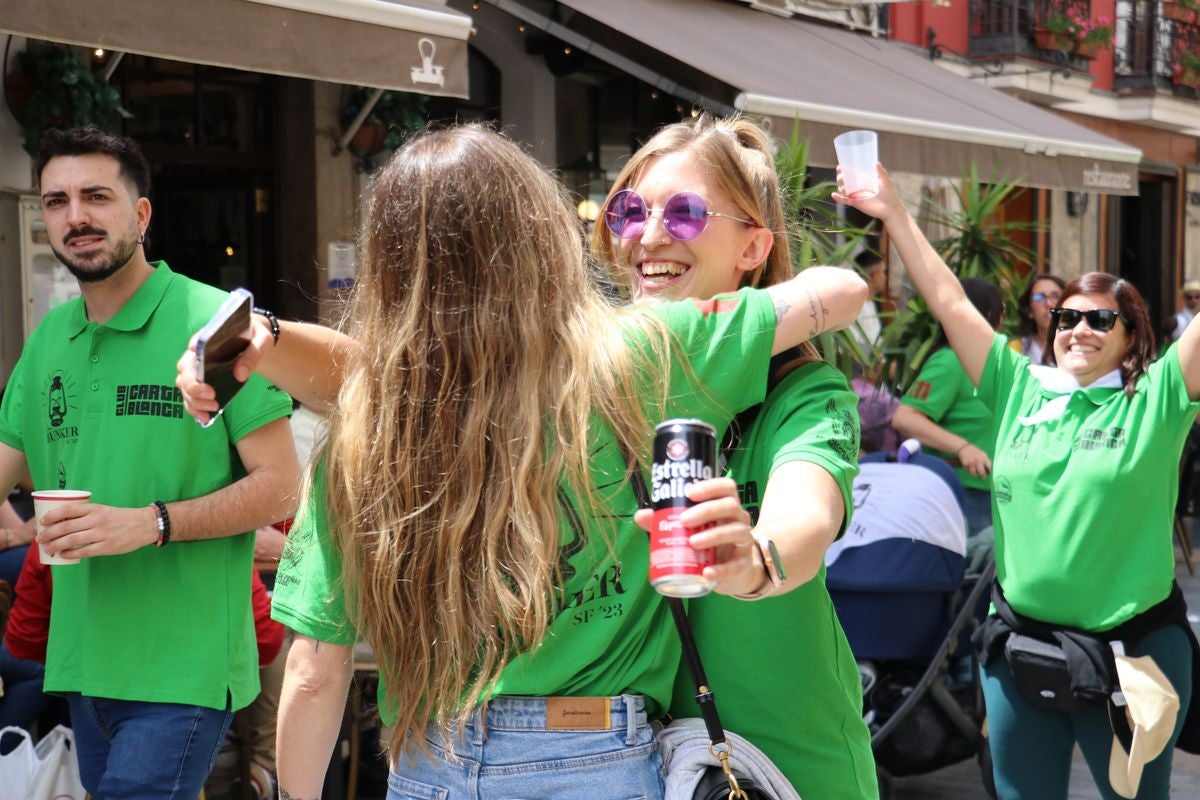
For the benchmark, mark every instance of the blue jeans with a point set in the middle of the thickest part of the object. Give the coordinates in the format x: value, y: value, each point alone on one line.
x: 23, y: 701
x: 506, y: 751
x: 978, y: 510
x: 130, y: 750
x: 1032, y: 746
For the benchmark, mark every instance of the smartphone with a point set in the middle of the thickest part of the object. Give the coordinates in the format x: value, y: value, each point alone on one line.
x: 218, y: 345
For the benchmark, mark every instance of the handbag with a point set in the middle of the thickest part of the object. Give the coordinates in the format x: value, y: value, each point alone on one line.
x: 48, y: 770
x: 1039, y: 669
x: 719, y: 780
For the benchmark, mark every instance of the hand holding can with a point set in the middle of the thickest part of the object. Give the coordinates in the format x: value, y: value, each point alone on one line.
x: 685, y: 451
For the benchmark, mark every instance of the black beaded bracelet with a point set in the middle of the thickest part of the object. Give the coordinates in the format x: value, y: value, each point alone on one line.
x: 164, y: 523
x: 271, y: 320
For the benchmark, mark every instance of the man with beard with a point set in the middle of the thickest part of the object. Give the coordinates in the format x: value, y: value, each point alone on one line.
x: 151, y: 633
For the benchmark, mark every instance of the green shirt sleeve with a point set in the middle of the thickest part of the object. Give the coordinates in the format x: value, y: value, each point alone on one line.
x: 937, y: 387
x: 10, y: 409
x: 726, y: 344
x: 818, y: 424
x: 308, y: 594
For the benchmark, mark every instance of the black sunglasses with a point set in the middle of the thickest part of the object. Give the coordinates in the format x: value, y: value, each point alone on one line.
x: 1098, y: 319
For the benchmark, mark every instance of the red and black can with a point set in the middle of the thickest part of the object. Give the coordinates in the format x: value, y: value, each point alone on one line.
x: 685, y: 451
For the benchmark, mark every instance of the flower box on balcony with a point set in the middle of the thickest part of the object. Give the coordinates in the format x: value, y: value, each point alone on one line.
x: 1047, y: 39
x: 1182, y: 11
x: 1187, y: 77
x: 1088, y: 50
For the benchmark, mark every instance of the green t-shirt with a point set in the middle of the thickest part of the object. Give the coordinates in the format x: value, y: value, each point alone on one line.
x: 1086, y: 502
x: 613, y: 633
x: 95, y: 407
x: 781, y: 667
x: 944, y: 393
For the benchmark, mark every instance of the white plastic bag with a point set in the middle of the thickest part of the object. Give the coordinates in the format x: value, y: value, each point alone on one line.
x: 17, y: 766
x: 48, y: 770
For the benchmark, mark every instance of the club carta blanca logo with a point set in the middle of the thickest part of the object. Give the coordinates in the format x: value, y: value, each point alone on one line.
x: 62, y: 408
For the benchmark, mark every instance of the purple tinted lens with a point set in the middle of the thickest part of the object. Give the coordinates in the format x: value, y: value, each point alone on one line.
x: 685, y: 216
x: 625, y: 215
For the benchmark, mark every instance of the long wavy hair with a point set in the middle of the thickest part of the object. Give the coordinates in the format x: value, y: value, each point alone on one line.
x: 488, y: 356
x: 1139, y: 347
x: 737, y: 153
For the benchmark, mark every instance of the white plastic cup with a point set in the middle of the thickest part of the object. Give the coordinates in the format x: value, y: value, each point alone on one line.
x: 858, y: 155
x: 46, y: 500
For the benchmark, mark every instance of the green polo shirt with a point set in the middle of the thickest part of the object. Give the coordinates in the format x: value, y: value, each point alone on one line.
x: 944, y: 393
x: 1086, y: 502
x: 95, y: 407
x: 612, y: 633
x: 800, y: 698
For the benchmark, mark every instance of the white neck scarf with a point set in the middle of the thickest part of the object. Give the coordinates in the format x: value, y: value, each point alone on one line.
x: 1063, y: 384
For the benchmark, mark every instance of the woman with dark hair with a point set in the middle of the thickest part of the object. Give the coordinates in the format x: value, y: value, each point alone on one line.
x: 1042, y: 294
x: 1086, y: 477
x: 941, y: 411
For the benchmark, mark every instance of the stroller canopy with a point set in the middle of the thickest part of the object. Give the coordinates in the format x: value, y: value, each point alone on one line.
x: 913, y: 529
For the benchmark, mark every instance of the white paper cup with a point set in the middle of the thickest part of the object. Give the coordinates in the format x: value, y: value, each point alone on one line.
x: 857, y: 154
x: 43, y: 503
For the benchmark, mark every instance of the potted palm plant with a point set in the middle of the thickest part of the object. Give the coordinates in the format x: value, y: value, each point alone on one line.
x: 63, y: 92
x: 819, y: 235
x: 979, y: 245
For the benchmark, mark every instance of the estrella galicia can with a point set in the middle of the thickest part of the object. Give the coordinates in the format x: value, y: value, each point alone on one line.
x: 685, y: 451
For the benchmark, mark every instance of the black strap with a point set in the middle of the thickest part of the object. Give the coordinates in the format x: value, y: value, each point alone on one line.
x: 691, y: 655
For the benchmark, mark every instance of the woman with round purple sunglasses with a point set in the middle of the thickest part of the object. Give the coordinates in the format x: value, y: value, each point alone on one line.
x: 697, y: 212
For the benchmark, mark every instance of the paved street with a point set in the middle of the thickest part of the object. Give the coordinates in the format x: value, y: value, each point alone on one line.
x: 962, y: 781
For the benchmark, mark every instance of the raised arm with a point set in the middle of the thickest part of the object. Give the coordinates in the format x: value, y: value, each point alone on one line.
x: 308, y: 362
x: 819, y: 299
x: 1188, y: 349
x: 969, y: 333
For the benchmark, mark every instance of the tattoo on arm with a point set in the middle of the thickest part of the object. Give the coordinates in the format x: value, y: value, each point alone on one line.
x: 781, y: 310
x: 284, y: 794
x: 817, y: 313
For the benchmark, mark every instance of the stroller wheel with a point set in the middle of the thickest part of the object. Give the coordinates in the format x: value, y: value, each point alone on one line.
x: 887, y: 784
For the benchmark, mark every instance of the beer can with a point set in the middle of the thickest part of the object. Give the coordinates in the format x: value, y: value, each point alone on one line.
x: 685, y: 451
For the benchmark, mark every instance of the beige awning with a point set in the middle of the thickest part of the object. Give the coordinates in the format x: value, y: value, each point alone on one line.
x: 931, y: 121
x: 413, y: 46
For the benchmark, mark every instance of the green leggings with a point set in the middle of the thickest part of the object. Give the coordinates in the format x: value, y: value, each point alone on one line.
x: 1032, y: 746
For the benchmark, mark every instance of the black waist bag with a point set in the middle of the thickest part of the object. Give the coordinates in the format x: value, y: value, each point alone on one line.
x: 1039, y: 670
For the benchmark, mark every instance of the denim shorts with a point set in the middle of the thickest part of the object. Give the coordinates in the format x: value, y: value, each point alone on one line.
x: 510, y: 750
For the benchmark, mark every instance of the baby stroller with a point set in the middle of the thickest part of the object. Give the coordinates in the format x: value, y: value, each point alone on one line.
x: 899, y: 581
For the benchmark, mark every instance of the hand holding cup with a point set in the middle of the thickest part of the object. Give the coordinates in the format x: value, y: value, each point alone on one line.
x: 45, y: 501
x: 857, y: 155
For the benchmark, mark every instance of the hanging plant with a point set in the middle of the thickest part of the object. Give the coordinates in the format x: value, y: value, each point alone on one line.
x: 65, y: 93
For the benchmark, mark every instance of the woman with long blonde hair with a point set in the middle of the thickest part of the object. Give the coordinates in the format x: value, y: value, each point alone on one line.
x: 471, y: 515
x: 794, y: 459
